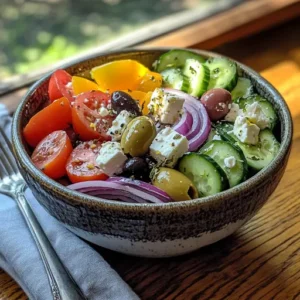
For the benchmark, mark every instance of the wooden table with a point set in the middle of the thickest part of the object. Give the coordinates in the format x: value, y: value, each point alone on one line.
x: 262, y: 259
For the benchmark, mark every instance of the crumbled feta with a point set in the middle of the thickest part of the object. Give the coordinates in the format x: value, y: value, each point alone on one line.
x: 245, y: 131
x: 216, y: 137
x: 165, y: 106
x: 168, y: 146
x: 119, y: 124
x: 233, y: 113
x: 103, y: 112
x: 111, y: 158
x: 254, y: 113
x: 230, y: 162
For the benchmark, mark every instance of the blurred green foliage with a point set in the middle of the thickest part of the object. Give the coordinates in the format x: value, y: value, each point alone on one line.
x: 36, y: 33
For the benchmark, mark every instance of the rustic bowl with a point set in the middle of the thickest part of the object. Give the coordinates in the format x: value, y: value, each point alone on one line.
x: 153, y: 230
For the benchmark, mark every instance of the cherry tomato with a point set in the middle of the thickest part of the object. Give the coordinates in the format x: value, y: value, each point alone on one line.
x: 81, y: 165
x: 88, y: 120
x: 216, y: 102
x: 56, y: 116
x: 52, y: 153
x: 60, y: 85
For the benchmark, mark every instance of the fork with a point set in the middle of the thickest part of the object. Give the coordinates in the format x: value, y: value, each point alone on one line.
x: 12, y: 184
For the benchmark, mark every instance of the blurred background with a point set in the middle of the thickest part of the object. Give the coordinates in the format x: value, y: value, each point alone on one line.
x: 37, y: 33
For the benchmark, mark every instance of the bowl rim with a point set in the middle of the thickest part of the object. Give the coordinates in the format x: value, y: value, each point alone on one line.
x: 76, y: 198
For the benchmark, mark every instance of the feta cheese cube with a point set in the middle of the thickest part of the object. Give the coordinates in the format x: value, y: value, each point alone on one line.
x: 245, y: 131
x: 111, y: 158
x: 230, y: 162
x: 168, y: 146
x: 165, y: 106
x: 233, y: 113
x: 119, y: 124
x: 254, y: 113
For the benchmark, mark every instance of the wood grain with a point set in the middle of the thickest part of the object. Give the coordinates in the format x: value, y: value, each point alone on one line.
x: 261, y: 260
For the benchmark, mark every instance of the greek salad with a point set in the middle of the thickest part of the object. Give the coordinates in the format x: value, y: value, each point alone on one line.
x: 189, y: 127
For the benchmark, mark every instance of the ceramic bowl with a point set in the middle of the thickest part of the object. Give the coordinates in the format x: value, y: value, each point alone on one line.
x: 151, y: 230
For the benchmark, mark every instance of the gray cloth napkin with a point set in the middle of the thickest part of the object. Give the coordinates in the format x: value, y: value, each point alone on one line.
x: 20, y: 258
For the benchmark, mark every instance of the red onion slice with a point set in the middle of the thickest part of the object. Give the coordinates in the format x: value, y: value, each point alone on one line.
x: 142, y: 186
x: 201, y: 122
x: 117, y: 191
x: 184, y: 125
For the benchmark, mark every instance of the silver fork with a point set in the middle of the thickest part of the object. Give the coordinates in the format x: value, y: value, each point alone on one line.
x: 12, y: 184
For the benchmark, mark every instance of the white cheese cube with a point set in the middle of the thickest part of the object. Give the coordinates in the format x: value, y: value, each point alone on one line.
x: 111, y: 158
x: 165, y: 106
x: 119, y: 124
x: 230, y: 162
x: 233, y: 113
x: 245, y: 131
x: 168, y: 146
x: 254, y: 113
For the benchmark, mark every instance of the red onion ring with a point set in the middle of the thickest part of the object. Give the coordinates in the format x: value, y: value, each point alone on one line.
x: 184, y: 124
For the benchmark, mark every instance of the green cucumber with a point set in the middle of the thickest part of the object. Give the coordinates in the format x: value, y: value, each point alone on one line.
x: 258, y: 156
x: 173, y: 78
x: 261, y: 155
x: 243, y: 89
x: 266, y: 107
x: 213, y: 135
x: 175, y: 59
x: 198, y: 77
x: 223, y: 73
x: 204, y: 172
x: 221, y: 150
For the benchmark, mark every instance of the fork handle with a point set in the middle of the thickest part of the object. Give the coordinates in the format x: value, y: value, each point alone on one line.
x: 62, y: 284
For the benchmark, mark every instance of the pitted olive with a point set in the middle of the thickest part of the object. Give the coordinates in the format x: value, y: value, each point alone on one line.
x: 136, y: 168
x: 122, y: 101
x: 138, y: 136
x: 175, y: 184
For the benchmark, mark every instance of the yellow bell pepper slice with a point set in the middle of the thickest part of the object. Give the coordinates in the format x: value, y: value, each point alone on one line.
x: 81, y: 85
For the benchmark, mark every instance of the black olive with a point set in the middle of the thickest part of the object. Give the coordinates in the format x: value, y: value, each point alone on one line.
x: 136, y: 168
x: 150, y: 162
x: 122, y: 101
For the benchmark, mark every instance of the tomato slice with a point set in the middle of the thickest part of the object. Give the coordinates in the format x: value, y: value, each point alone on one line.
x: 81, y: 165
x: 56, y: 116
x: 60, y: 85
x: 52, y: 153
x: 87, y: 120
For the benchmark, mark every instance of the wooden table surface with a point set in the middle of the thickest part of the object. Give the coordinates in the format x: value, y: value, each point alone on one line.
x: 262, y: 259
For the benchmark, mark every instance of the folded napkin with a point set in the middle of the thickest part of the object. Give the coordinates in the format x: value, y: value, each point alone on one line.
x: 20, y: 258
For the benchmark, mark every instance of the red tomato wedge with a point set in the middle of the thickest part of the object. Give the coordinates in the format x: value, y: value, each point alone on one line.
x: 60, y: 85
x: 52, y: 153
x: 56, y: 116
x: 81, y: 165
x: 87, y: 121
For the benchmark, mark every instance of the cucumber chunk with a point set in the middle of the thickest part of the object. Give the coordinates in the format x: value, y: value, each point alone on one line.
x: 223, y: 73
x: 205, y: 173
x: 213, y: 135
x: 173, y: 78
x: 221, y: 150
x: 261, y: 155
x: 198, y: 77
x: 175, y: 59
x: 266, y: 107
x: 243, y: 89
x: 258, y: 156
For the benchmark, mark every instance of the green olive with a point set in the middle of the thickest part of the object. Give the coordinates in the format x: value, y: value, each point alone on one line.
x: 138, y: 136
x: 175, y: 184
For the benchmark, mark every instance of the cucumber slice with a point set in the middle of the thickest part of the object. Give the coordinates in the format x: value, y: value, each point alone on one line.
x: 219, y: 151
x: 223, y: 73
x: 173, y: 78
x: 257, y: 156
x: 198, y: 77
x: 266, y: 107
x: 175, y: 59
x: 260, y: 155
x: 213, y: 135
x: 243, y: 89
x: 205, y: 173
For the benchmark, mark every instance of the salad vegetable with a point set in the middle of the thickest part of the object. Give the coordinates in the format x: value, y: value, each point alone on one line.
x: 188, y: 128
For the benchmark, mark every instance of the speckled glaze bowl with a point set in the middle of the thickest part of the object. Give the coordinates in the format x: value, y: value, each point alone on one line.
x: 153, y: 230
